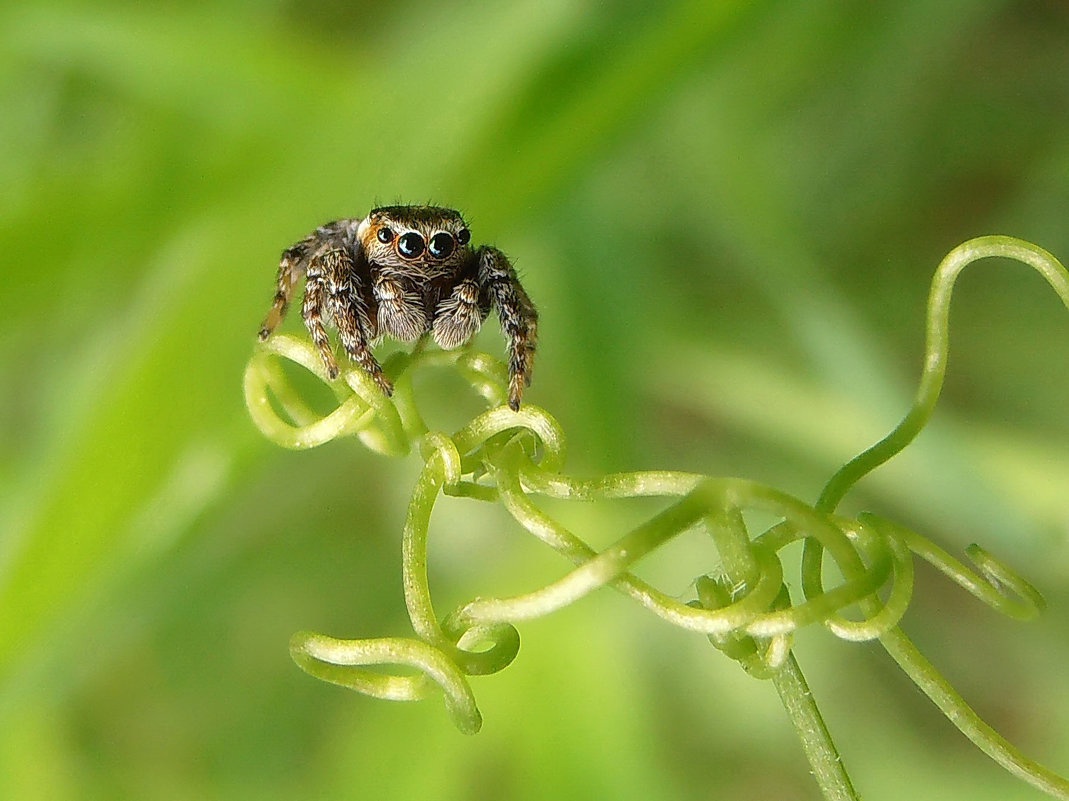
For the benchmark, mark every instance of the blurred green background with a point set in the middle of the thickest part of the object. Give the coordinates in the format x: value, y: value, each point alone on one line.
x: 728, y: 214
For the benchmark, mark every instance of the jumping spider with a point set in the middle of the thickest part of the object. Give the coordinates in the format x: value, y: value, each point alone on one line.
x: 404, y: 271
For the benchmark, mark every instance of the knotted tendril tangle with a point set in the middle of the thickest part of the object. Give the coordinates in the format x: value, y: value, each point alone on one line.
x: 742, y: 605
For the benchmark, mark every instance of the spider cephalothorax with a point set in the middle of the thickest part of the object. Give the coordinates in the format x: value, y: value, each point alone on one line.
x: 404, y: 271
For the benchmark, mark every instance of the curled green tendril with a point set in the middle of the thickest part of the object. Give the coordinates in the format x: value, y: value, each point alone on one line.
x: 341, y: 662
x: 936, y: 347
x: 743, y: 606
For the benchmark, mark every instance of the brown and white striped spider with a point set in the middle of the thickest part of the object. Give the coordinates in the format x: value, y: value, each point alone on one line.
x: 404, y: 271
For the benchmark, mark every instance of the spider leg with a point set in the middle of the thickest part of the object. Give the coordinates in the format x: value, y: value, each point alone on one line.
x: 312, y: 310
x: 519, y: 319
x: 348, y: 310
x: 401, y: 313
x: 351, y: 333
x: 458, y: 317
x: 291, y: 268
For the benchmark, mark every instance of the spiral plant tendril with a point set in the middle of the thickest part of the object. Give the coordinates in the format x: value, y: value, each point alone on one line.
x: 744, y: 607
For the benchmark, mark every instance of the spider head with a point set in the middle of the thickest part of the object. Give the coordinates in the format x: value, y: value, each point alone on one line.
x: 426, y: 238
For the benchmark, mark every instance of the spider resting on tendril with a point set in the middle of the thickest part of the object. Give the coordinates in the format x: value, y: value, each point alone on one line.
x: 404, y: 271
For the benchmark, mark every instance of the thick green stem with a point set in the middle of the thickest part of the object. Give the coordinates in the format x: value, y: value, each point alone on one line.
x: 740, y: 567
x: 819, y: 749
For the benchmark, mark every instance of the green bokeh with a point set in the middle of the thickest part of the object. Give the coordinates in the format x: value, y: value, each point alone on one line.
x: 728, y: 214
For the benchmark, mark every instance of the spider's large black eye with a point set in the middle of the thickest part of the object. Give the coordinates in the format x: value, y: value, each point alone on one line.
x: 441, y: 245
x: 410, y: 245
x: 463, y: 236
x: 384, y: 235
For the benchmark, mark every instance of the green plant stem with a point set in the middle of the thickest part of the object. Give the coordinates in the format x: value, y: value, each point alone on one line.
x: 828, y: 769
x: 736, y: 551
x: 957, y: 710
x: 728, y: 529
x: 506, y: 457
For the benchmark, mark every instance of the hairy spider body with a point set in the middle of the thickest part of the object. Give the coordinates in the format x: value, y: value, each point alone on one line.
x: 404, y: 271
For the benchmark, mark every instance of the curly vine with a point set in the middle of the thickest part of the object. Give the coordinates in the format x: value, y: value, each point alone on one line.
x: 743, y: 606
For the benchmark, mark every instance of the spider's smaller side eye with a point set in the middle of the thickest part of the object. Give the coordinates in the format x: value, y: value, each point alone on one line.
x: 441, y: 245
x: 384, y: 235
x: 410, y: 245
x: 463, y: 236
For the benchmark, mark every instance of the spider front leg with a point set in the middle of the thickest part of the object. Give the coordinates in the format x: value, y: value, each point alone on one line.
x: 332, y: 291
x: 313, y: 310
x: 458, y: 317
x: 401, y: 312
x: 519, y: 319
x: 351, y: 332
